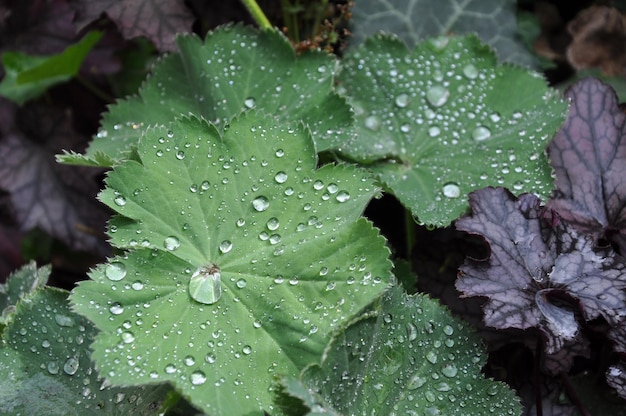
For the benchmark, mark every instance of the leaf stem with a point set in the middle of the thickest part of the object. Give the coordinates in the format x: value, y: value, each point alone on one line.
x: 257, y: 14
x: 409, y: 225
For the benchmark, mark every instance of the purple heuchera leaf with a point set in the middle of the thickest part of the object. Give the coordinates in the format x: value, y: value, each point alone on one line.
x: 539, y: 272
x: 616, y: 378
x: 588, y: 155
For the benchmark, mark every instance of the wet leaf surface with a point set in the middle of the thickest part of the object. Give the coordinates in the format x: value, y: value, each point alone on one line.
x: 244, y: 258
x: 20, y: 284
x: 410, y: 357
x: 423, y: 114
x: 535, y: 268
x: 588, y: 155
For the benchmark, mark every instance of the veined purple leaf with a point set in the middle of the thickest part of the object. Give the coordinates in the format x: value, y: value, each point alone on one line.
x: 616, y: 378
x: 588, y: 155
x: 539, y: 274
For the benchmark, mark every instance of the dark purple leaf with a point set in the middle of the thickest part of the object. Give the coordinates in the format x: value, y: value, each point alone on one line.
x: 561, y: 361
x: 157, y: 20
x: 552, y: 403
x: 56, y: 198
x: 538, y: 274
x: 616, y: 378
x: 588, y: 155
x: 618, y: 335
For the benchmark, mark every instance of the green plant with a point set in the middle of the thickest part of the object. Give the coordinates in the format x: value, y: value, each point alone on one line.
x: 245, y: 277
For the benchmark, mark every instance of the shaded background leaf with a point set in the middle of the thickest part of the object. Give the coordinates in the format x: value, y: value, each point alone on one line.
x: 588, y: 155
x: 494, y: 21
x: 157, y: 20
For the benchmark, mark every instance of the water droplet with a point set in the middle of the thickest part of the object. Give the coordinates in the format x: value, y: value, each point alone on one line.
x: 437, y: 95
x: 431, y: 356
x: 415, y: 382
x: 343, y: 196
x: 273, y: 224
x: 63, y: 320
x: 189, y: 360
x: 470, y: 71
x: 260, y: 203
x: 448, y: 330
x: 53, y: 367
x: 411, y: 331
x: 71, y: 366
x: 115, y: 271
x: 225, y: 246
x: 451, y: 190
x: 449, y: 370
x: 180, y: 155
x: 120, y: 200
x: 210, y: 358
x: 434, y: 131
x: 241, y: 283
x: 247, y: 350
x: 170, y: 369
x: 205, y: 185
x: 171, y: 243
x: 249, y: 102
x: 402, y: 100
x: 116, y: 308
x: 439, y: 42
x: 372, y: 122
x: 481, y: 133
x: 281, y: 177
x: 127, y: 337
x: 318, y: 185
x: 205, y: 284
x: 197, y: 378
x: 405, y: 128
x: 137, y: 285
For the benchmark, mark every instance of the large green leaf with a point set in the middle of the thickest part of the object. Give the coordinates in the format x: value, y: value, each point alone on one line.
x: 20, y: 284
x: 445, y: 119
x: 246, y: 259
x: 234, y: 69
x: 45, y: 368
x: 494, y: 21
x: 410, y: 358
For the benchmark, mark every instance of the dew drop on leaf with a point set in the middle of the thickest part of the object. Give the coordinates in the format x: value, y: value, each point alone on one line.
x: 247, y: 350
x: 402, y: 100
x: 241, y: 283
x: 434, y: 131
x: 63, y: 320
x: 189, y: 360
x: 451, y: 190
x: 116, y: 309
x: 481, y: 133
x: 205, y: 185
x: 249, y: 102
x: 180, y: 155
x: 205, y: 284
x: 127, y: 337
x: 470, y: 71
x: 225, y: 246
x: 273, y: 224
x: 415, y: 382
x: 71, y: 366
x: 170, y: 369
x: 171, y: 243
x: 372, y: 123
x: 197, y: 378
x: 260, y: 203
x: 437, y: 95
x: 449, y: 370
x: 120, y: 200
x: 431, y: 356
x: 343, y: 196
x: 281, y: 177
x: 53, y: 367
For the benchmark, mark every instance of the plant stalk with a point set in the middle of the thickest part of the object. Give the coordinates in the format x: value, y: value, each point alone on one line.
x: 257, y: 14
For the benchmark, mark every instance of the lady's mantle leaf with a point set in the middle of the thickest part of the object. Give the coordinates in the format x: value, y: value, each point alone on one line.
x: 412, y: 358
x: 589, y: 158
x: 20, y: 284
x: 445, y: 119
x: 246, y: 259
x: 45, y: 368
x: 236, y: 68
x: 534, y: 269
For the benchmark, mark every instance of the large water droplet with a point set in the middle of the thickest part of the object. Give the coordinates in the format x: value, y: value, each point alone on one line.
x: 260, y: 203
x: 281, y: 177
x: 448, y: 330
x: 372, y: 122
x: 416, y: 382
x: 127, y: 337
x: 481, y: 133
x: 434, y: 131
x: 437, y: 95
x: 342, y: 196
x: 449, y: 370
x: 431, y: 356
x: 120, y: 200
x: 225, y: 246
x: 171, y: 243
x: 205, y: 284
x: 63, y: 320
x: 241, y: 283
x: 402, y: 100
x: 115, y: 271
x: 249, y: 102
x: 53, y: 367
x: 71, y: 366
x: 116, y: 309
x: 451, y: 190
x: 470, y: 71
x: 197, y: 378
x: 273, y: 224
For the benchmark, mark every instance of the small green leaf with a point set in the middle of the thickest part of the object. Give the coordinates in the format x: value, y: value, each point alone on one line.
x: 294, y: 257
x: 445, y: 119
x: 411, y: 357
x: 235, y: 69
x: 28, y: 77
x: 45, y: 367
x: 20, y: 284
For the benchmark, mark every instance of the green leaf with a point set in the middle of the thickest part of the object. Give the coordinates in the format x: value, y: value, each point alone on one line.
x: 28, y: 77
x: 412, y: 357
x: 294, y: 259
x: 444, y: 119
x: 494, y: 21
x: 236, y: 68
x: 45, y: 367
x: 20, y: 284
